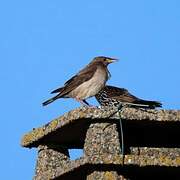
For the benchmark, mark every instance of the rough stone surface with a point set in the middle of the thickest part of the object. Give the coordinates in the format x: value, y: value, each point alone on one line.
x: 172, y: 153
x: 154, y: 158
x: 107, y: 175
x: 49, y: 159
x: 33, y: 138
x: 151, y: 144
x: 102, y: 139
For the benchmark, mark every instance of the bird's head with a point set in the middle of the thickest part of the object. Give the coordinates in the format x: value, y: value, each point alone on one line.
x: 104, y: 60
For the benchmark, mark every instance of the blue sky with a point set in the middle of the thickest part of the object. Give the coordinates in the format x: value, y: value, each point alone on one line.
x: 43, y: 43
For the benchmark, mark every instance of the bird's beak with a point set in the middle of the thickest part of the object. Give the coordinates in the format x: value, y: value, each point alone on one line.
x: 111, y: 60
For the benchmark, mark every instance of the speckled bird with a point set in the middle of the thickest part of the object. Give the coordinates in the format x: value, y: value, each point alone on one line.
x: 115, y: 96
x: 86, y: 83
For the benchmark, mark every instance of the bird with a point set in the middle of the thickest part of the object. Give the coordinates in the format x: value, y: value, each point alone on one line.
x: 86, y: 83
x: 115, y: 96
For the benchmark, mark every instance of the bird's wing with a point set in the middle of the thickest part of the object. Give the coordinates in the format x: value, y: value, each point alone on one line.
x: 126, y: 98
x: 83, y: 76
x: 123, y: 95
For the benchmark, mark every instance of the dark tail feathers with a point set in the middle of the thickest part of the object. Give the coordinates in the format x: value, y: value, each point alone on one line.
x: 50, y: 100
x: 57, y: 90
x: 150, y: 104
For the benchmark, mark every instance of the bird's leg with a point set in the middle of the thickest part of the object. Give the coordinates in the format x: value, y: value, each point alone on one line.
x: 85, y: 102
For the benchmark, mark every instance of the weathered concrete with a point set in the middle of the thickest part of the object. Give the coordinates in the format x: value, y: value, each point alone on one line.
x: 49, y: 159
x: 77, y: 121
x: 152, y: 147
x: 107, y: 175
x: 102, y: 139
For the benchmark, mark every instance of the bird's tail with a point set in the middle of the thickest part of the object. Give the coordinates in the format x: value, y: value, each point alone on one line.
x: 50, y: 100
x: 150, y: 104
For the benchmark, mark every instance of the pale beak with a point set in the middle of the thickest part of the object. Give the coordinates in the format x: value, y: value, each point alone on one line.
x: 111, y: 60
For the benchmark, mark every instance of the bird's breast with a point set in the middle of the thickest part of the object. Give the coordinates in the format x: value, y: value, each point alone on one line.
x: 92, y: 86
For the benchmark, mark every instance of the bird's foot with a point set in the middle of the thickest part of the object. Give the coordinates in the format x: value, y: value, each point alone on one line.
x: 93, y: 107
x: 90, y: 106
x: 85, y: 103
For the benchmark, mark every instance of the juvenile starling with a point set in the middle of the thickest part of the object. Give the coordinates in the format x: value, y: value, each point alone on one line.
x: 114, y: 96
x: 86, y: 83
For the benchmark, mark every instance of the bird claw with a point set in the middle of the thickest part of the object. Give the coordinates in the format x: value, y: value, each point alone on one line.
x: 92, y: 106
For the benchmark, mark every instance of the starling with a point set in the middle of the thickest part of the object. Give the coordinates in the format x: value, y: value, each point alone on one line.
x: 86, y: 83
x: 114, y: 96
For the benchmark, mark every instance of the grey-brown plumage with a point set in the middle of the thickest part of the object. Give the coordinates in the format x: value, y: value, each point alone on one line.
x: 114, y: 96
x: 86, y: 83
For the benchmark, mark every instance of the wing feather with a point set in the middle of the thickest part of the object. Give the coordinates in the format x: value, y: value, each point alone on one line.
x: 83, y: 76
x: 121, y: 94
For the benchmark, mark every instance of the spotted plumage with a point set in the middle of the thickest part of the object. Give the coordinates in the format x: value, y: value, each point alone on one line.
x: 114, y: 96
